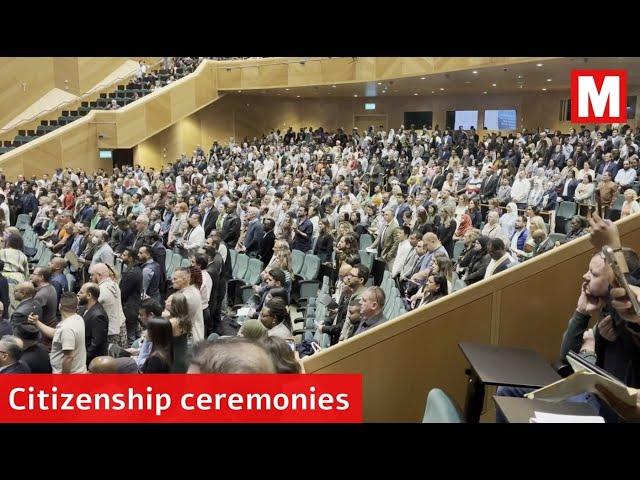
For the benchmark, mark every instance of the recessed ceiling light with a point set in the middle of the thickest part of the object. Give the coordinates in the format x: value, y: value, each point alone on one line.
x: 333, y: 86
x: 287, y: 89
x: 520, y: 86
x: 548, y: 79
x: 239, y: 91
x: 484, y: 93
x: 494, y: 85
x: 544, y: 89
x: 379, y: 83
x: 441, y: 89
x: 415, y: 94
x: 423, y: 78
x: 297, y: 96
x: 355, y: 94
x: 538, y: 64
x: 467, y: 81
x: 432, y: 91
x: 475, y: 72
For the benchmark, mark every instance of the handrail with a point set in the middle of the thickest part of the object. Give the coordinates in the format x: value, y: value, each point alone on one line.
x: 77, y: 99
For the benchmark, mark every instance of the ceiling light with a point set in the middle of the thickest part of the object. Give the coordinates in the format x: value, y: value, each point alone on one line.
x: 239, y: 91
x: 432, y: 91
x: 544, y: 89
x: 441, y: 89
x: 467, y: 81
x: 333, y: 86
x: 538, y: 64
x: 484, y: 93
x: 355, y: 94
x: 287, y: 89
x: 494, y: 85
x: 548, y: 79
x: 416, y: 94
x: 423, y: 78
x: 379, y: 83
x: 475, y: 72
x: 297, y: 96
x: 520, y: 86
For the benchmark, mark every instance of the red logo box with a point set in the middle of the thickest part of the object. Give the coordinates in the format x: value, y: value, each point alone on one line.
x: 598, y: 96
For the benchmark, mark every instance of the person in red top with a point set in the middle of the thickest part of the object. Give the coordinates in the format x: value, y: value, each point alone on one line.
x: 69, y: 200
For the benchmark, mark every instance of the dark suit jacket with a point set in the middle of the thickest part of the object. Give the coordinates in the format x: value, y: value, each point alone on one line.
x: 17, y: 367
x: 126, y: 241
x: 210, y: 222
x: 24, y: 309
x: 438, y: 182
x: 102, y: 224
x: 266, y: 247
x: 4, y: 296
x: 96, y: 328
x: 255, y: 232
x: 230, y: 230
x: 36, y: 357
x: 489, y: 186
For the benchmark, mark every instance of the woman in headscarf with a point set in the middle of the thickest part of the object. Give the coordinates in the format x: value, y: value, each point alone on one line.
x: 465, y: 225
x: 508, y: 220
x: 479, y: 262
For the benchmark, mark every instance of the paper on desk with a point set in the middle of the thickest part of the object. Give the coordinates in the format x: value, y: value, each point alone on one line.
x: 581, y: 382
x: 543, y: 417
x: 371, y: 250
x: 243, y: 312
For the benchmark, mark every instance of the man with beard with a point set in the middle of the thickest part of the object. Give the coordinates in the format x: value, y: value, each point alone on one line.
x: 96, y: 322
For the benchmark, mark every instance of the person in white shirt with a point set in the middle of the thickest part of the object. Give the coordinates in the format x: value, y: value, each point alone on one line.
x: 626, y: 175
x: 111, y: 300
x: 520, y: 188
x: 194, y: 237
x: 492, y: 228
x: 182, y: 284
x: 404, y: 248
x: 68, y: 349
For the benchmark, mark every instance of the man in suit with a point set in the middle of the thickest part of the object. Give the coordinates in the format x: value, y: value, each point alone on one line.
x: 268, y: 239
x: 438, y: 179
x: 34, y: 355
x: 489, y: 185
x: 209, y: 216
x: 10, y: 353
x: 384, y: 240
x: 123, y: 237
x: 25, y: 294
x: 96, y: 322
x: 131, y: 291
x: 231, y: 226
x: 255, y: 232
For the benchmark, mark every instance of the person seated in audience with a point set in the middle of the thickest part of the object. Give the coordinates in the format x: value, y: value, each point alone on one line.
x: 231, y: 355
x: 283, y: 356
x: 275, y: 317
x: 578, y: 225
x: 500, y: 258
x: 629, y: 207
x: 253, y: 329
x: 10, y: 354
x: 371, y: 305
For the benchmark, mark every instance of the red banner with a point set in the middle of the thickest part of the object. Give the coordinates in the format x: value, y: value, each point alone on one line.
x: 180, y: 398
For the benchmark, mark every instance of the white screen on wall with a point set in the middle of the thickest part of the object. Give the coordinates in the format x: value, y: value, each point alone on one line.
x: 466, y: 118
x: 500, y: 119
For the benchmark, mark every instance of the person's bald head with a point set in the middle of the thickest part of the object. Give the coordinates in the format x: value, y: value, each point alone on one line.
x: 99, y: 272
x: 231, y: 355
x: 24, y: 290
x: 103, y: 364
x: 57, y: 264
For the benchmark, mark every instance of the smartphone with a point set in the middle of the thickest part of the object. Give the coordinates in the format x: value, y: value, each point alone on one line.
x: 607, y: 251
x: 292, y: 344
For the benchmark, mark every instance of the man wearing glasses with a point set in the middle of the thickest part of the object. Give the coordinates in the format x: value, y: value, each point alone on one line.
x: 10, y: 353
x: 371, y: 305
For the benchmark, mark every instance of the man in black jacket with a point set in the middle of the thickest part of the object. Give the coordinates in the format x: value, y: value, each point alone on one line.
x: 96, y: 321
x: 25, y: 293
x: 34, y: 355
x: 10, y: 353
x: 268, y: 240
x: 489, y: 185
x: 209, y: 216
x: 215, y: 268
x: 131, y: 291
x: 231, y: 226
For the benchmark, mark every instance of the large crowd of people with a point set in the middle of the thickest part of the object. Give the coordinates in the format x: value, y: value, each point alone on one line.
x: 413, y: 213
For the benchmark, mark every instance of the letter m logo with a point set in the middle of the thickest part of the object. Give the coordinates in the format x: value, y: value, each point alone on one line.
x: 598, y: 96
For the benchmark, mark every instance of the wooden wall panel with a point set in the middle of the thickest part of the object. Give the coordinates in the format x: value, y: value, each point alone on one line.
x: 229, y: 78
x: 158, y: 113
x: 274, y: 74
x: 92, y: 70
x: 183, y: 100
x: 250, y: 77
x: 35, y: 72
x: 307, y: 74
x: 131, y: 122
x: 66, y: 74
x: 338, y: 70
